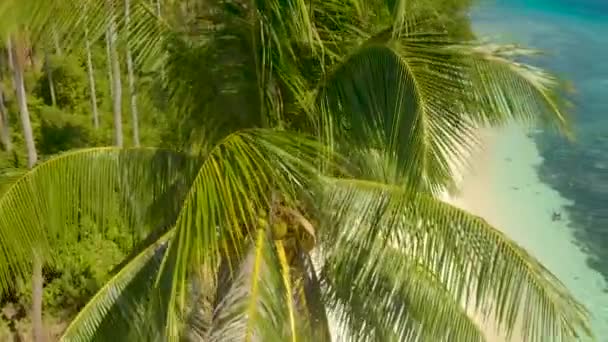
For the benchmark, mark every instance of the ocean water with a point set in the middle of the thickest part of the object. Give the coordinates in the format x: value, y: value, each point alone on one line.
x: 574, y: 35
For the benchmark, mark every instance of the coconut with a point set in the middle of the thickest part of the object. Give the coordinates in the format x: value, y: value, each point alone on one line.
x: 262, y: 223
x: 279, y: 230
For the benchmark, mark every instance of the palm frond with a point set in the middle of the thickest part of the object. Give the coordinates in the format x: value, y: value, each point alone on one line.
x: 477, y: 264
x: 256, y: 307
x: 69, y: 19
x: 407, y: 299
x: 287, y: 285
x: 49, y: 201
x: 416, y: 97
x: 509, y: 89
x: 389, y: 95
x: 119, y: 309
x: 235, y: 182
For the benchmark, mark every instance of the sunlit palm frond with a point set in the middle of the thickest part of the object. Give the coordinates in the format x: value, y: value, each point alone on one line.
x: 69, y: 19
x: 407, y: 299
x: 389, y: 97
x: 478, y: 264
x: 40, y: 18
x: 256, y: 307
x: 416, y: 96
x: 50, y: 199
x: 236, y: 181
x: 508, y: 89
x: 147, y: 36
x: 119, y: 308
x: 282, y: 27
x: 14, y: 15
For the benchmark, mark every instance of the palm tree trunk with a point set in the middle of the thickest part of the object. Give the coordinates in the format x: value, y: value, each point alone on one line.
x: 49, y: 75
x: 130, y: 73
x: 159, y: 14
x: 116, y: 82
x: 11, y: 63
x: 56, y: 42
x: 37, y: 283
x: 5, y: 134
x: 91, y: 74
x: 109, y: 65
x: 28, y: 135
x: 32, y: 157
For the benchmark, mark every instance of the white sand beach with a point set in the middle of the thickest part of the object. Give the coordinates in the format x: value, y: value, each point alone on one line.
x: 503, y: 187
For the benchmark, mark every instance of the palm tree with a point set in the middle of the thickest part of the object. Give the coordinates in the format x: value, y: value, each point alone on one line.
x: 32, y: 157
x: 114, y: 62
x: 47, y: 63
x: 319, y: 137
x: 131, y: 76
x: 5, y: 134
x: 49, y: 74
x: 91, y: 77
x: 18, y: 60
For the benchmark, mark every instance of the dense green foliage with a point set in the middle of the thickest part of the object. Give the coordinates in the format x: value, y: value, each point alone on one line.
x: 86, y: 263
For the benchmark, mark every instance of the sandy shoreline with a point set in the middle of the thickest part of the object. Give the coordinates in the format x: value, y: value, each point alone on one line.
x: 474, y: 196
x: 502, y: 186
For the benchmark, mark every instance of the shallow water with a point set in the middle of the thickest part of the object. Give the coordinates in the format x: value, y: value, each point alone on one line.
x: 574, y: 34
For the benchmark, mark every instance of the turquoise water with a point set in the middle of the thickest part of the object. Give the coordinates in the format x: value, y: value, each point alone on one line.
x: 574, y: 35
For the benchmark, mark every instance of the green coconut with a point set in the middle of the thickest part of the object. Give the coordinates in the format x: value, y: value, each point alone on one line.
x: 262, y: 213
x: 279, y: 230
x: 262, y: 223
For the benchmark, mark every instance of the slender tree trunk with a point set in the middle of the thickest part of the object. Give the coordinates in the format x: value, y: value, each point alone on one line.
x: 56, y: 42
x: 116, y: 82
x: 49, y: 75
x: 11, y: 63
x: 32, y: 157
x: 159, y: 14
x: 5, y: 133
x: 47, y: 64
x: 91, y: 74
x: 109, y: 65
x: 9, y: 53
x: 28, y: 135
x: 130, y: 73
x: 37, y: 284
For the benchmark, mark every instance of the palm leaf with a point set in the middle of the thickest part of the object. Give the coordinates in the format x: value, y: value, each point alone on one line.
x: 50, y: 200
x: 509, y: 89
x: 69, y: 19
x: 256, y: 307
x: 477, y: 264
x: 234, y: 183
x: 384, y: 98
x: 407, y: 298
x: 119, y: 309
x: 417, y: 97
